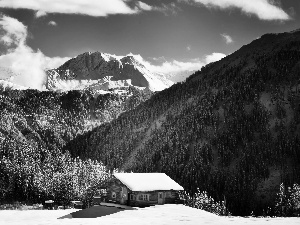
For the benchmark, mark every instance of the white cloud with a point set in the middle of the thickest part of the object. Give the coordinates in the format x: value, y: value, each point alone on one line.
x: 29, y: 65
x: 214, y: 57
x: 14, y: 32
x: 160, y: 58
x: 228, y: 39
x: 177, y: 66
x: 95, y: 8
x: 40, y: 14
x: 144, y: 6
x: 88, y: 7
x: 52, y: 23
x: 263, y: 9
x: 167, y: 9
x: 53, y: 62
x: 178, y: 71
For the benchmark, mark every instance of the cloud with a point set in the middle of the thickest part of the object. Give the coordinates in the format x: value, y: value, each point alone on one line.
x: 227, y: 38
x: 143, y: 6
x: 40, y: 14
x: 53, y: 62
x: 214, y: 57
x: 178, y: 71
x: 13, y: 32
x: 167, y: 9
x: 160, y: 58
x: 292, y: 12
x: 28, y: 65
x: 176, y: 66
x: 263, y: 9
x: 52, y: 23
x: 95, y: 8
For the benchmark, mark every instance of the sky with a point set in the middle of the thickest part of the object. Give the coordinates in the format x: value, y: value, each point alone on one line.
x: 172, y: 36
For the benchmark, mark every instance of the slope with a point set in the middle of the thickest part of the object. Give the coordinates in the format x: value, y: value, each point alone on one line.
x: 231, y: 129
x: 35, y: 127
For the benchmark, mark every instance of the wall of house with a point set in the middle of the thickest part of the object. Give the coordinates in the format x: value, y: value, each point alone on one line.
x: 117, y: 192
x: 168, y: 197
x: 139, y: 201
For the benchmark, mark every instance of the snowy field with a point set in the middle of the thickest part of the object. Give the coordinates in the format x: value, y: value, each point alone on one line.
x: 156, y: 215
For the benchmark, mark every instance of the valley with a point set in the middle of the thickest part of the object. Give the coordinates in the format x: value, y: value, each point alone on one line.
x: 231, y: 129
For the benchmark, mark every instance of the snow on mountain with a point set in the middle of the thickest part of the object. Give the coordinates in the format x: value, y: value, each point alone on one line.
x: 6, y: 84
x: 6, y: 73
x: 7, y: 77
x: 102, y: 71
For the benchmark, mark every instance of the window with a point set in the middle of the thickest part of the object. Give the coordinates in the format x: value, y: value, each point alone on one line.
x: 160, y: 195
x: 113, y: 195
x: 103, y: 191
x: 143, y: 197
x: 132, y: 197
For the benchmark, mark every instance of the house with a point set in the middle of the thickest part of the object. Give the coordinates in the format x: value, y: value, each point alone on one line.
x: 142, y: 189
x: 76, y: 204
x: 49, y: 204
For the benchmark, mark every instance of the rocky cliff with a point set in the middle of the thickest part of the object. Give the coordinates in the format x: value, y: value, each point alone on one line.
x: 101, y: 71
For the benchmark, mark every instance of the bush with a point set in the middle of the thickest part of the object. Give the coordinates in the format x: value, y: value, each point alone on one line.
x: 288, y: 201
x: 201, y: 200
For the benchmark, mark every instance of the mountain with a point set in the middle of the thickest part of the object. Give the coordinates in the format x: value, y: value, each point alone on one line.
x: 179, y: 76
x: 102, y: 71
x: 231, y: 129
x: 36, y: 125
x: 34, y: 128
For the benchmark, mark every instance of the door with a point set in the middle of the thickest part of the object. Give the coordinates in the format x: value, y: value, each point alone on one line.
x: 129, y: 198
x: 123, y: 195
x: 160, y: 198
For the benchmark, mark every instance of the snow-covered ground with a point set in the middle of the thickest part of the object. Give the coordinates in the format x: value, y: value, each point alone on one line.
x: 156, y: 215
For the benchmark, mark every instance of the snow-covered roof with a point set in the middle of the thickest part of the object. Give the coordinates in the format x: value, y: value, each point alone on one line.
x: 49, y: 201
x: 148, y: 181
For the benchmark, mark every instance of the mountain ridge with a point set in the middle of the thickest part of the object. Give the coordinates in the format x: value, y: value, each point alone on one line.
x: 231, y: 129
x: 92, y: 69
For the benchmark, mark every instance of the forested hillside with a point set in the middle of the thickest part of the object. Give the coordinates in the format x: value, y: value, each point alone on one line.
x: 35, y: 127
x: 232, y: 129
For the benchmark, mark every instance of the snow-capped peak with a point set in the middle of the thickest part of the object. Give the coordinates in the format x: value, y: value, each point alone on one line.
x: 91, y: 69
x: 138, y: 57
